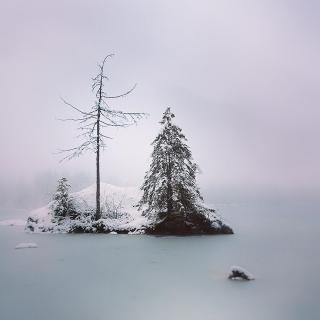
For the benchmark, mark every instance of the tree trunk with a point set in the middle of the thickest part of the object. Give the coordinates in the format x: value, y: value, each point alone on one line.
x: 98, y: 210
x: 169, y: 188
x: 98, y: 207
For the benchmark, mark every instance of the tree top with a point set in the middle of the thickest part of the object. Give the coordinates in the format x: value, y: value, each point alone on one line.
x: 167, y: 116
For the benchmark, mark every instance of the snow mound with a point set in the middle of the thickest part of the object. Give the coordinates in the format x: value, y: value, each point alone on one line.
x: 239, y: 273
x: 114, y: 199
x: 25, y: 245
x: 119, y: 212
x: 13, y: 222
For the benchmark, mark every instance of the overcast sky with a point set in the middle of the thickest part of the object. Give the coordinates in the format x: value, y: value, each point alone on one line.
x: 242, y: 77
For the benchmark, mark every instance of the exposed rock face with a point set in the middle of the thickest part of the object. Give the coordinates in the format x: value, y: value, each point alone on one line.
x: 188, y: 224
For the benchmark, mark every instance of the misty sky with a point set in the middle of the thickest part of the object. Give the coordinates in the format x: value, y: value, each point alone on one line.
x: 242, y: 77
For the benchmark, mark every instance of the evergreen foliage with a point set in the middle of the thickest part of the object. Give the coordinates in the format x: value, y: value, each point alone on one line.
x: 170, y: 184
x: 62, y: 203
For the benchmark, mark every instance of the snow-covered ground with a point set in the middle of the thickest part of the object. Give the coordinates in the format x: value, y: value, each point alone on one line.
x: 118, y: 202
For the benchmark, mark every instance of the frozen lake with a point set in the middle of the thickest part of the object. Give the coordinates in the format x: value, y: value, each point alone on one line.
x: 97, y: 277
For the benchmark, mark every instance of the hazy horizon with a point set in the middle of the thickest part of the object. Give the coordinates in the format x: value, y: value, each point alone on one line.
x: 241, y: 77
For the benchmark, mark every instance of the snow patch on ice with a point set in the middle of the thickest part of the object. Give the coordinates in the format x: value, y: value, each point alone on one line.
x: 24, y: 245
x: 239, y: 273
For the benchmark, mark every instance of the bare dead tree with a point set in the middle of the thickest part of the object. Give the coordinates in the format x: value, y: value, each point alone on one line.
x: 92, y: 122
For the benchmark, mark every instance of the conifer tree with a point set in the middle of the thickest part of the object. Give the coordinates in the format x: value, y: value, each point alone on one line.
x: 62, y: 203
x: 170, y: 184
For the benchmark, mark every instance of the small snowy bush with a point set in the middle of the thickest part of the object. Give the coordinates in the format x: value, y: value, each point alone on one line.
x: 62, y: 205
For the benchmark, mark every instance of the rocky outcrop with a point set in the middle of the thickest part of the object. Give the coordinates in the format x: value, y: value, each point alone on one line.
x: 177, y: 223
x: 238, y: 273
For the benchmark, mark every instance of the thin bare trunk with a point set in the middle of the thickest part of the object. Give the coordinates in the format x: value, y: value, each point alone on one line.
x: 169, y: 187
x: 98, y: 208
x: 93, y: 122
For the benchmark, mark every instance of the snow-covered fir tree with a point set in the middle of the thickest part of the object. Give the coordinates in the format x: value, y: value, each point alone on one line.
x: 170, y: 184
x: 62, y: 203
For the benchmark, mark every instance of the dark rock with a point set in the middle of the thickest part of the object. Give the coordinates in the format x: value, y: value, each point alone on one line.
x: 190, y: 223
x: 238, y: 273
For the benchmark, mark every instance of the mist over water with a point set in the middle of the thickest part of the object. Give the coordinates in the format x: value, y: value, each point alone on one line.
x: 241, y: 76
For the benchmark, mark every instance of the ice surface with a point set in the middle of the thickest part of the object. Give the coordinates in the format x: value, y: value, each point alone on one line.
x: 13, y: 222
x: 98, y: 277
x: 24, y: 245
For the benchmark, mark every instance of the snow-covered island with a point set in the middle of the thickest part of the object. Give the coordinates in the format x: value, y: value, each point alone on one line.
x: 121, y: 215
x: 168, y: 203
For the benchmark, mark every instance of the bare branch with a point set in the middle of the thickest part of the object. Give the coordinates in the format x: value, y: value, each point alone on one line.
x: 105, y: 59
x: 69, y: 119
x: 70, y: 105
x: 91, y: 123
x: 102, y: 135
x: 104, y: 124
x: 120, y: 95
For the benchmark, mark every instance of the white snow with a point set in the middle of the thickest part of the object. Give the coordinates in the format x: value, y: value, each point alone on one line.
x: 119, y: 212
x: 239, y: 270
x: 13, y: 222
x: 24, y: 245
x: 113, y: 198
x: 118, y: 206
